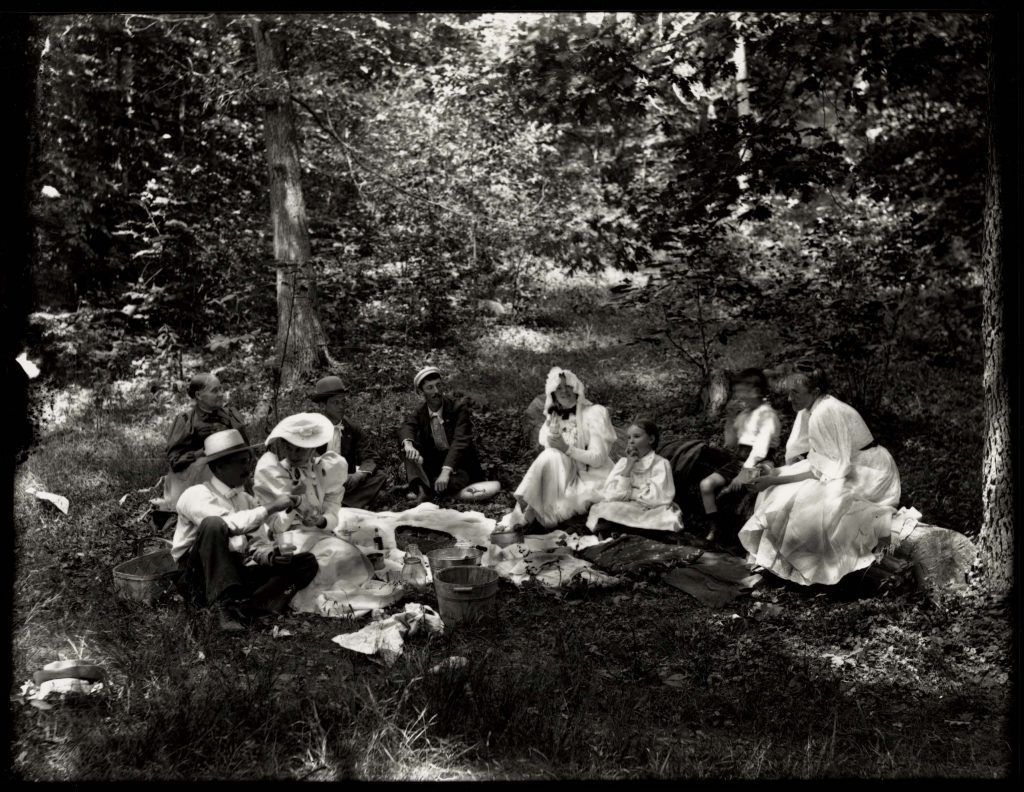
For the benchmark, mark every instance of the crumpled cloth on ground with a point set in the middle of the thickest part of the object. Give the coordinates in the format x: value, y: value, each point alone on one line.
x: 357, y: 601
x: 716, y: 579
x: 386, y: 638
x: 61, y: 677
x: 904, y: 522
x: 548, y: 561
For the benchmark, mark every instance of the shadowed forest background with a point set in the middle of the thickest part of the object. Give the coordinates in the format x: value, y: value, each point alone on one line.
x: 650, y: 200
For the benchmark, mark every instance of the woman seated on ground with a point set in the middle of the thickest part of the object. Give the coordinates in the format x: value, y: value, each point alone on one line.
x: 751, y: 436
x: 639, y: 491
x: 566, y: 477
x: 820, y: 518
x: 291, y: 460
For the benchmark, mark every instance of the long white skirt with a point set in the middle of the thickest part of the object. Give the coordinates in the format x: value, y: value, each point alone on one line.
x: 557, y: 489
x: 810, y: 532
x: 636, y: 515
x: 340, y: 565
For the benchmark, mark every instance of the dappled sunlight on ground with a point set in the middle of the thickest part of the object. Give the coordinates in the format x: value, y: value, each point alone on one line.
x: 66, y: 406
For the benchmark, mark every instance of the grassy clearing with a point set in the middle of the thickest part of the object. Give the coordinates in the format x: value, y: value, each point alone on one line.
x: 557, y: 687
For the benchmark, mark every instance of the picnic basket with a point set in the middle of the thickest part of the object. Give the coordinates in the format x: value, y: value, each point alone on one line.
x: 146, y: 578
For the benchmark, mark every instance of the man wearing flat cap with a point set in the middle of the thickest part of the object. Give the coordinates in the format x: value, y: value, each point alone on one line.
x: 364, y: 478
x: 437, y: 441
x: 227, y: 558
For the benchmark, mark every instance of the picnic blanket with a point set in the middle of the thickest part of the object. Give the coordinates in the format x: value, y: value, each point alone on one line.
x: 548, y: 559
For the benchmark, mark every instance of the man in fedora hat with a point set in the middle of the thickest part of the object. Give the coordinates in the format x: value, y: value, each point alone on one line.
x: 437, y: 441
x: 226, y: 555
x: 364, y: 478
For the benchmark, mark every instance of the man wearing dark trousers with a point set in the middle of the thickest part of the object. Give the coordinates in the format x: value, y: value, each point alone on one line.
x: 228, y: 560
x: 364, y: 478
x: 437, y: 442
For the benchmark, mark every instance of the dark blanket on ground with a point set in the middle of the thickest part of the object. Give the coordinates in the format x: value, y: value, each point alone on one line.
x: 630, y: 554
x: 716, y: 579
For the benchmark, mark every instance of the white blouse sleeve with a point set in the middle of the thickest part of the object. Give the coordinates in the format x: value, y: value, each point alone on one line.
x: 797, y: 444
x: 270, y: 481
x: 659, y: 488
x: 835, y: 432
x: 616, y: 486
x: 333, y: 471
x: 766, y: 433
x: 602, y: 435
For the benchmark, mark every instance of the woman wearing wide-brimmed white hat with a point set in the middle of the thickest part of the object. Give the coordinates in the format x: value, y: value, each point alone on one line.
x: 291, y: 461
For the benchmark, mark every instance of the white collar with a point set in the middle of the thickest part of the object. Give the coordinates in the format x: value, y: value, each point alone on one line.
x: 431, y: 413
x: 814, y: 404
x: 224, y: 489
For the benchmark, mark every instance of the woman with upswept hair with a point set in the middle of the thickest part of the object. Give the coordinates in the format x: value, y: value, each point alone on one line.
x: 567, y: 476
x: 827, y: 511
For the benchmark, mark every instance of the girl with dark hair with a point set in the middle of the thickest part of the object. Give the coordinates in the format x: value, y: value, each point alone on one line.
x: 751, y: 436
x: 821, y: 517
x: 639, y: 491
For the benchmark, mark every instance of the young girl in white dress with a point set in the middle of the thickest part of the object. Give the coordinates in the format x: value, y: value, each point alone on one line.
x: 639, y: 491
x: 566, y: 478
x: 820, y: 518
x: 291, y: 460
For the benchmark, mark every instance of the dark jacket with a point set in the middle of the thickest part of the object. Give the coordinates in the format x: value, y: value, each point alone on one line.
x: 458, y: 429
x: 190, y: 429
x: 351, y: 446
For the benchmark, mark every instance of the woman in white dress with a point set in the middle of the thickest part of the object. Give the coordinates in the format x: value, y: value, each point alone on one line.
x: 290, y: 461
x: 567, y: 476
x: 821, y: 517
x: 639, y: 491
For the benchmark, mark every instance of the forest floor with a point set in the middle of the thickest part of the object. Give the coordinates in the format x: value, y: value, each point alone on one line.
x: 641, y: 681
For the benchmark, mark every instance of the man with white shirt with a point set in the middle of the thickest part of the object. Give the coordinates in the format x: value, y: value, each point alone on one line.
x: 365, y: 479
x: 437, y: 441
x: 227, y: 558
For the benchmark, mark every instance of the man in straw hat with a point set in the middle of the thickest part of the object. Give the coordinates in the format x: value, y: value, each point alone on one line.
x: 221, y: 545
x: 364, y: 478
x: 437, y: 441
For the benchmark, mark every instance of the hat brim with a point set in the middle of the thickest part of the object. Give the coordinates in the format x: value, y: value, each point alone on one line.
x: 322, y: 397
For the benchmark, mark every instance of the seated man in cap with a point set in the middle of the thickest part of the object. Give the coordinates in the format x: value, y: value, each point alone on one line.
x: 364, y: 479
x: 221, y: 544
x: 209, y: 414
x: 437, y: 441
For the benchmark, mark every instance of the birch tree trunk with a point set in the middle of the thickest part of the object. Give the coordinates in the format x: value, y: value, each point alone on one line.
x: 301, y: 343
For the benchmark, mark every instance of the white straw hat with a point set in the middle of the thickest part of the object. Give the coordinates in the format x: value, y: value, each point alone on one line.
x: 305, y: 430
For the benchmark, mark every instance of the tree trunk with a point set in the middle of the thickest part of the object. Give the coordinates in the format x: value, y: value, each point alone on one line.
x: 301, y: 343
x: 739, y: 58
x: 997, y: 260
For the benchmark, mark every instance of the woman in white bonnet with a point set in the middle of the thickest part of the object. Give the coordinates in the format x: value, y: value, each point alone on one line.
x: 567, y: 476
